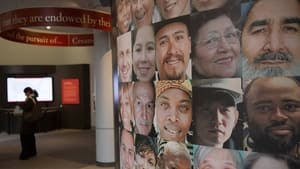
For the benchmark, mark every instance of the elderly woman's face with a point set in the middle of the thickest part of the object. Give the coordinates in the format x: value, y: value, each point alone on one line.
x: 217, y: 48
x: 203, y: 5
x: 218, y: 159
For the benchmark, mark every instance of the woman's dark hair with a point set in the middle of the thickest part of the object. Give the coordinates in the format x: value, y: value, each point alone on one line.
x: 36, y: 94
x: 198, y: 20
x: 133, y: 37
x: 28, y: 90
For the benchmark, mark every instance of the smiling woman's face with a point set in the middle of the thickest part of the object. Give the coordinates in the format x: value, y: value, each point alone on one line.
x: 144, y: 54
x: 216, y: 54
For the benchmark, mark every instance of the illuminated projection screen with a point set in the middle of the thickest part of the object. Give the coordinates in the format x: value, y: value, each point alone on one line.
x: 16, y: 85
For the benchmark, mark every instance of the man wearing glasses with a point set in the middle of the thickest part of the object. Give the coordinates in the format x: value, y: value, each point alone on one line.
x: 216, y: 46
x: 271, y: 38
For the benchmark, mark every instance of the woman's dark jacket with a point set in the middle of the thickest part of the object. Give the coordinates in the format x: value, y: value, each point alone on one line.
x: 27, y: 106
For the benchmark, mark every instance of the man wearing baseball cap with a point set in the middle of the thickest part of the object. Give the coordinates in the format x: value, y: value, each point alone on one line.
x: 215, y: 111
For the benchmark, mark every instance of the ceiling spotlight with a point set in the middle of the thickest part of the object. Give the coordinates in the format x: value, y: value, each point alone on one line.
x: 48, y: 27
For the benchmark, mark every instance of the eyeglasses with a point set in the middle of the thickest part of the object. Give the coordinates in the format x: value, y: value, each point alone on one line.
x: 214, y: 38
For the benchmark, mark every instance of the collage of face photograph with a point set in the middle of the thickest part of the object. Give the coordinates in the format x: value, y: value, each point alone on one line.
x: 208, y: 84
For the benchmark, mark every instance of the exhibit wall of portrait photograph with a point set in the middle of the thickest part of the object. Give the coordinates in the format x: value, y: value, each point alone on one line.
x: 211, y: 84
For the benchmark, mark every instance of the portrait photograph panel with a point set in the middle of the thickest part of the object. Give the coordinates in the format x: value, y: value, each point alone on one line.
x: 123, y: 16
x: 143, y: 106
x: 270, y: 38
x: 144, y: 12
x: 146, y: 152
x: 216, y: 49
x: 126, y: 117
x: 216, y: 113
x: 173, y: 110
x: 143, y: 54
x: 173, y: 49
x: 127, y: 149
x: 124, y: 55
x: 271, y: 111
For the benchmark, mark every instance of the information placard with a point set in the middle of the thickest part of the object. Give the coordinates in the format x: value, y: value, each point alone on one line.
x: 70, y: 91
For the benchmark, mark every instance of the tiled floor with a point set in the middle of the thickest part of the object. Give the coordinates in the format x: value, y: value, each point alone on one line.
x: 61, y: 149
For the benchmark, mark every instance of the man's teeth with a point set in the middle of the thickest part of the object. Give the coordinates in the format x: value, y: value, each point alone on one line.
x: 172, y: 62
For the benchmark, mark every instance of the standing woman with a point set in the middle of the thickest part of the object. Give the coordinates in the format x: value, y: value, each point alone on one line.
x: 28, y: 128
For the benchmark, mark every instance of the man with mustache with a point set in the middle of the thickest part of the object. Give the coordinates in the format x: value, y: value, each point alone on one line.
x: 272, y: 108
x: 271, y: 38
x: 173, y: 48
x: 143, y: 106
